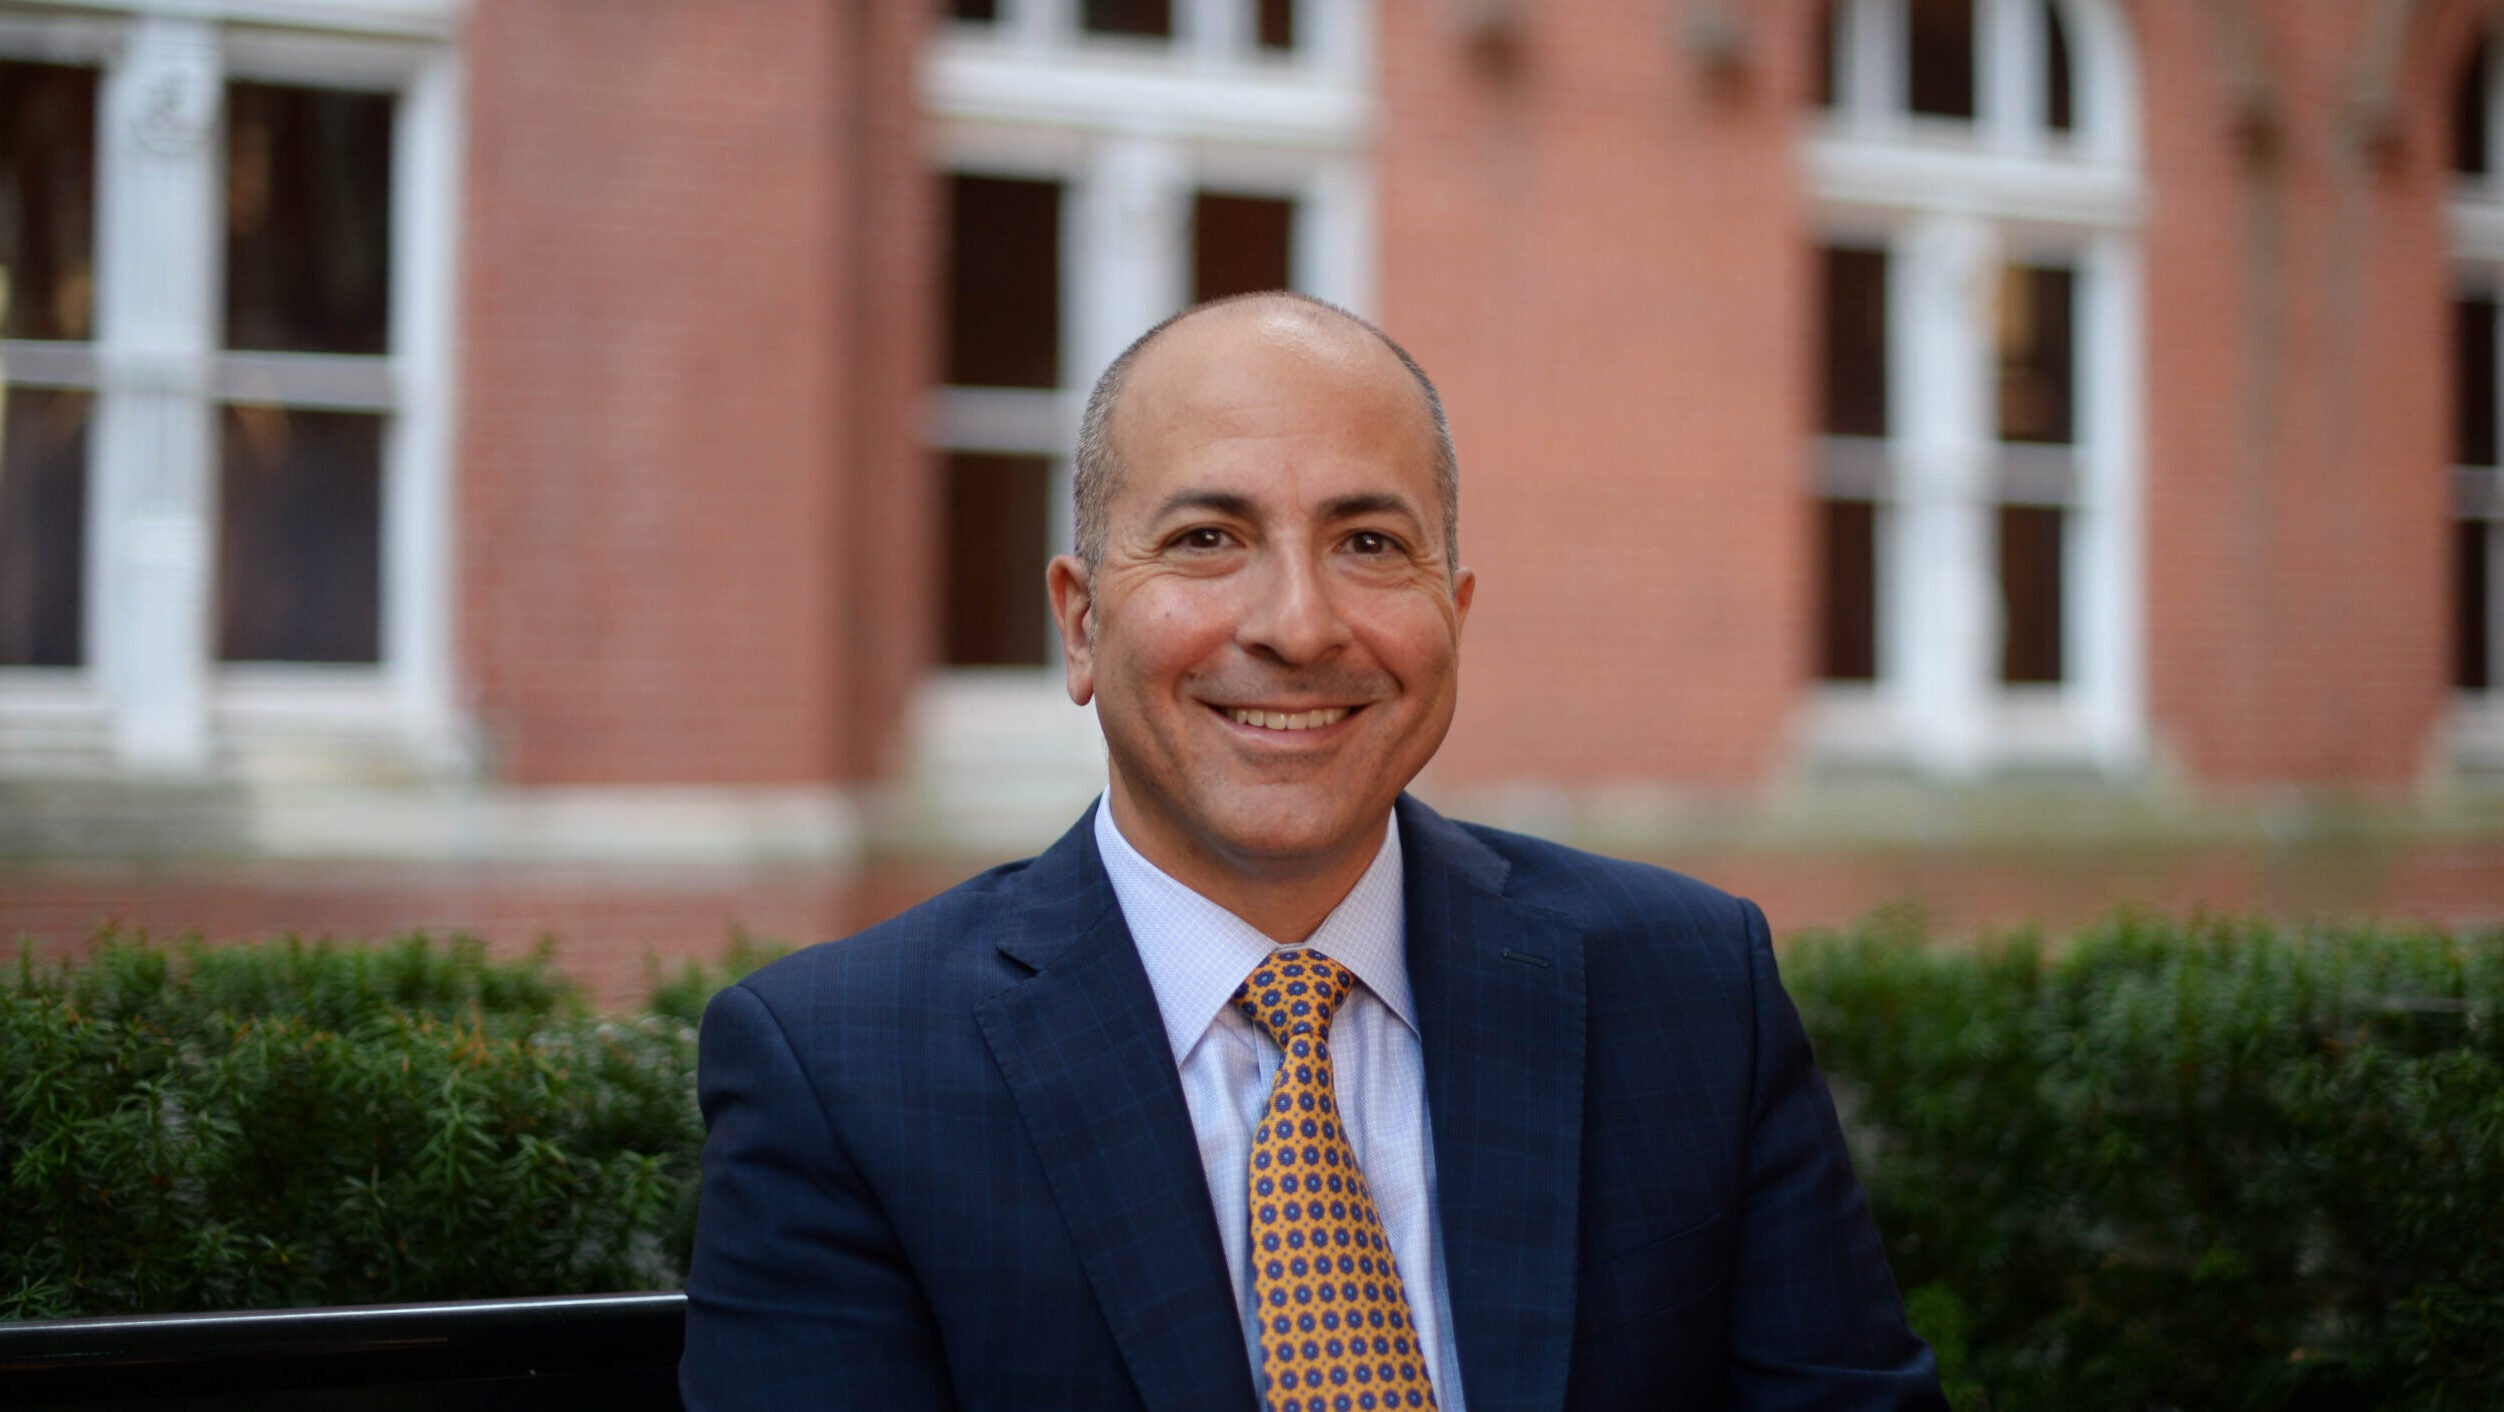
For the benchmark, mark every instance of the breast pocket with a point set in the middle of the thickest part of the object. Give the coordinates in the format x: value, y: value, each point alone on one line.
x: 1660, y: 1274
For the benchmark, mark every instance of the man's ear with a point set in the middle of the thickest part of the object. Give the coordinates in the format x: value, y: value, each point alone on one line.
x: 1072, y: 591
x: 1464, y: 592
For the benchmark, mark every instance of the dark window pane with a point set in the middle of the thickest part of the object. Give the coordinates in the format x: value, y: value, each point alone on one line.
x: 308, y: 219
x: 1854, y: 305
x: 43, y: 528
x: 2473, y: 382
x: 2473, y: 633
x: 973, y: 9
x: 997, y: 518
x: 2030, y: 593
x: 1153, y: 18
x: 1848, y: 590
x: 1239, y: 244
x: 47, y: 200
x: 2038, y: 365
x: 1004, y: 283
x: 299, y: 545
x: 1942, y: 53
x: 1277, y: 24
x: 2469, y: 113
x: 2058, y: 110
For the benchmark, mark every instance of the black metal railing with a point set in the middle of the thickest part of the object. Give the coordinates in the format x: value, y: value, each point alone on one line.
x: 489, y: 1355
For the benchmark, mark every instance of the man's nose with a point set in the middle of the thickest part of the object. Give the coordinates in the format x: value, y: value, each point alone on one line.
x: 1294, y: 614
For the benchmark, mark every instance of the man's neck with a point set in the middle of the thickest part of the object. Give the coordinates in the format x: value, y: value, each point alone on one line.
x: 1285, y: 900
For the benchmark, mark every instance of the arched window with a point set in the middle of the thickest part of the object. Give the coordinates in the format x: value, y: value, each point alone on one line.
x: 1104, y: 163
x: 2477, y: 222
x: 1973, y: 166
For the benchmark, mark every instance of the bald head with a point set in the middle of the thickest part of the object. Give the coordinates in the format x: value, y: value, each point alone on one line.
x: 1329, y: 334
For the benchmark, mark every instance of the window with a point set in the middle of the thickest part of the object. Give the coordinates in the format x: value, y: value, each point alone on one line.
x: 1974, y: 171
x: 221, y: 523
x: 1262, y: 26
x: 2477, y: 490
x: 1103, y: 165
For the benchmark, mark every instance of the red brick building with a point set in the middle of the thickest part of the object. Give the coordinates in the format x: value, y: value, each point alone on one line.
x: 587, y: 467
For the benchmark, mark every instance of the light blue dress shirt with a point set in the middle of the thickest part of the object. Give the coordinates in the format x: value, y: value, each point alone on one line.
x: 1196, y: 953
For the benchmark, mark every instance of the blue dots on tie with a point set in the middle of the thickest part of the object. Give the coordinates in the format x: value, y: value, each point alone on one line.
x: 1321, y: 1244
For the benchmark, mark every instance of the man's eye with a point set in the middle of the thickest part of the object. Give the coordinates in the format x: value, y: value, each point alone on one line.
x: 1371, y: 542
x: 1204, y: 537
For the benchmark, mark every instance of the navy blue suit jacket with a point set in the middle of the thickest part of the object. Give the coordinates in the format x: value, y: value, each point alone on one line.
x: 948, y: 1160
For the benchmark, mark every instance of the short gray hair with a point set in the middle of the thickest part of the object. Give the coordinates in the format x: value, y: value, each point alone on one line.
x: 1098, y: 473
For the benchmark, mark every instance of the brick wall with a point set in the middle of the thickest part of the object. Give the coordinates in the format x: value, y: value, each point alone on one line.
x: 655, y: 330
x: 2298, y: 401
x: 1601, y: 259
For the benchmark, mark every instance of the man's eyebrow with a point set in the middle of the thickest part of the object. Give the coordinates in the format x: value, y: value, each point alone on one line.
x: 1222, y: 502
x: 1372, y: 502
x: 1244, y: 507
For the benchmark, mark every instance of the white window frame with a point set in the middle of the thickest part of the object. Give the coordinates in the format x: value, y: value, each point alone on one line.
x: 1952, y: 202
x: 151, y: 696
x: 1131, y: 129
x: 2475, y: 215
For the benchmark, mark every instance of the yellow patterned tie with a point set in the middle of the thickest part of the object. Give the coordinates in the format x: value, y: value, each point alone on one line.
x: 1335, y: 1326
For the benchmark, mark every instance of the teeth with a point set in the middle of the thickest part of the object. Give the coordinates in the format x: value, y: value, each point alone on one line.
x: 1284, y: 721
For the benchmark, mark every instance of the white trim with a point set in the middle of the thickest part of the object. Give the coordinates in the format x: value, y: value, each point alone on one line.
x: 979, y: 80
x: 1904, y: 175
x: 1006, y: 421
x: 31, y: 36
x: 375, y: 65
x: 2474, y: 218
x: 416, y: 19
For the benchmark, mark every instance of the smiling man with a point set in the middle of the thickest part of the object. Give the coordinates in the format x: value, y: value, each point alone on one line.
x: 1267, y: 1086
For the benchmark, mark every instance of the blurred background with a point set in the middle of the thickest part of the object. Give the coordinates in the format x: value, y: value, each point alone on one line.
x: 585, y: 468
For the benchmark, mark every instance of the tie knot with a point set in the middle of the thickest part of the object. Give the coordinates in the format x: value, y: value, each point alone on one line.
x: 1295, y: 993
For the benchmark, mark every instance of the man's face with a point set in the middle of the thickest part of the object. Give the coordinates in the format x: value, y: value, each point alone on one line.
x: 1271, y: 638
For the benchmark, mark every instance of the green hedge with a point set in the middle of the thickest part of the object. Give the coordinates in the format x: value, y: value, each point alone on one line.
x: 291, y: 1124
x: 2200, y: 1166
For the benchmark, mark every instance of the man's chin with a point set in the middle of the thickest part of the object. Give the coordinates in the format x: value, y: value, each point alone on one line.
x: 1298, y: 840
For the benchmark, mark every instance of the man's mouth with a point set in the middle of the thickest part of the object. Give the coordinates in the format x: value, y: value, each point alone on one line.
x: 1286, y: 720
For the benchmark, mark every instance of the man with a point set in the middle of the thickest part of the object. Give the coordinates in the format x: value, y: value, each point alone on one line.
x: 1267, y: 1086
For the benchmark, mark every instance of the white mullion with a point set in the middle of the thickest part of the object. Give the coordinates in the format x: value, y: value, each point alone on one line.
x: 1332, y: 256
x: 1000, y: 421
x: 154, y: 496
x: 1123, y: 251
x: 1335, y: 37
x: 1871, y: 85
x: 2009, y: 58
x: 334, y: 382
x: 1942, y: 638
x: 1040, y: 25
x: 1215, y: 32
x: 2493, y: 62
x: 419, y: 522
x: 2111, y: 686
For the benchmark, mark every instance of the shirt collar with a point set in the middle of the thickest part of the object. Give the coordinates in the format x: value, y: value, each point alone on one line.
x: 1197, y: 952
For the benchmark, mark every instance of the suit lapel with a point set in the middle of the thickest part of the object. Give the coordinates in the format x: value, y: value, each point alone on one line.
x: 1499, y: 988
x: 1084, y: 1052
